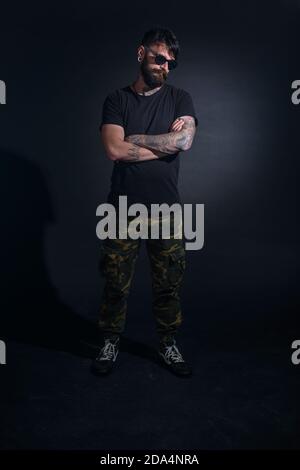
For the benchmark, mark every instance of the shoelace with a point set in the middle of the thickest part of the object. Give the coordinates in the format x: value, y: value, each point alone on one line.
x: 107, y: 353
x: 173, y: 353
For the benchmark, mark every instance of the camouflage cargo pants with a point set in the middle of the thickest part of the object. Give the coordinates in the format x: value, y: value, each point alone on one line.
x: 117, y: 265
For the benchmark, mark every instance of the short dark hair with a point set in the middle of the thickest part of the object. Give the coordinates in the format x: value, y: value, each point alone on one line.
x: 161, y: 34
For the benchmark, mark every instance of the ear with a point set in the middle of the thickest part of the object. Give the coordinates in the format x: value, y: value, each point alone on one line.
x: 141, y: 51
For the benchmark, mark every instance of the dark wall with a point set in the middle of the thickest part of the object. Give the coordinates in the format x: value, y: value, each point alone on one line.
x: 238, y: 60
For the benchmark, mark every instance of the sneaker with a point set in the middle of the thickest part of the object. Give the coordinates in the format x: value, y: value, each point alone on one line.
x: 173, y: 359
x: 107, y: 356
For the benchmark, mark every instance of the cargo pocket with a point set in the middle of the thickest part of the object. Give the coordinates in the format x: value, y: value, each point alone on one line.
x: 116, y: 267
x: 177, y: 264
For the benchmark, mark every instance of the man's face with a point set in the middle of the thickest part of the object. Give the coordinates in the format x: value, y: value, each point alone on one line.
x: 155, y: 75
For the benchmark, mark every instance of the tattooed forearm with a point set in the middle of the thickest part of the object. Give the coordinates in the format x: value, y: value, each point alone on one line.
x: 166, y: 143
x: 172, y: 142
x: 133, y: 153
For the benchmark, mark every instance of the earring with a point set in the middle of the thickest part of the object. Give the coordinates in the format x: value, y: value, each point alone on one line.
x: 139, y: 58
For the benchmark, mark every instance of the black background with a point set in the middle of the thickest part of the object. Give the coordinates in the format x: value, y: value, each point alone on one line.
x: 240, y: 297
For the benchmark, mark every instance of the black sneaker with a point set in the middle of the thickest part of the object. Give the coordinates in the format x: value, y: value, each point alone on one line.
x: 173, y: 359
x: 107, y: 356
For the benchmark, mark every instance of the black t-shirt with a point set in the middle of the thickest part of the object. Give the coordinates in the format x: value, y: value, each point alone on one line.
x: 150, y: 181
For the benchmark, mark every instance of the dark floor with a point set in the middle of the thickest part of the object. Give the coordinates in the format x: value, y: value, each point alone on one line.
x: 237, y: 398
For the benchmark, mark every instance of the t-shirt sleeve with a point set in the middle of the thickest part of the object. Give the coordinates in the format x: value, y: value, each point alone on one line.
x: 185, y: 106
x: 111, y: 111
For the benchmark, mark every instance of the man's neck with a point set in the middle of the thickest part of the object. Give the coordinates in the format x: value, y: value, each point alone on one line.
x: 141, y: 88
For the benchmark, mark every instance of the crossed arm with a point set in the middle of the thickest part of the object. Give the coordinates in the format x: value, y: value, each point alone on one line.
x: 141, y: 147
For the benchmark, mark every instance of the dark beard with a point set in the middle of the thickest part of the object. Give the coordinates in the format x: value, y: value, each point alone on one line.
x: 152, y: 80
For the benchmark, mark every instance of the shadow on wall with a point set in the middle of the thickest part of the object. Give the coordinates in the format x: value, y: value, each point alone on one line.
x: 31, y: 310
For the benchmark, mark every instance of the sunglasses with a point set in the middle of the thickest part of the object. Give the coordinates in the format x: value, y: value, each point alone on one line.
x: 160, y: 59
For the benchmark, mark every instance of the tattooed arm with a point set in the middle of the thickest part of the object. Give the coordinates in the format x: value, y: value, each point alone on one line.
x: 117, y: 149
x: 168, y: 143
x: 141, y: 147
